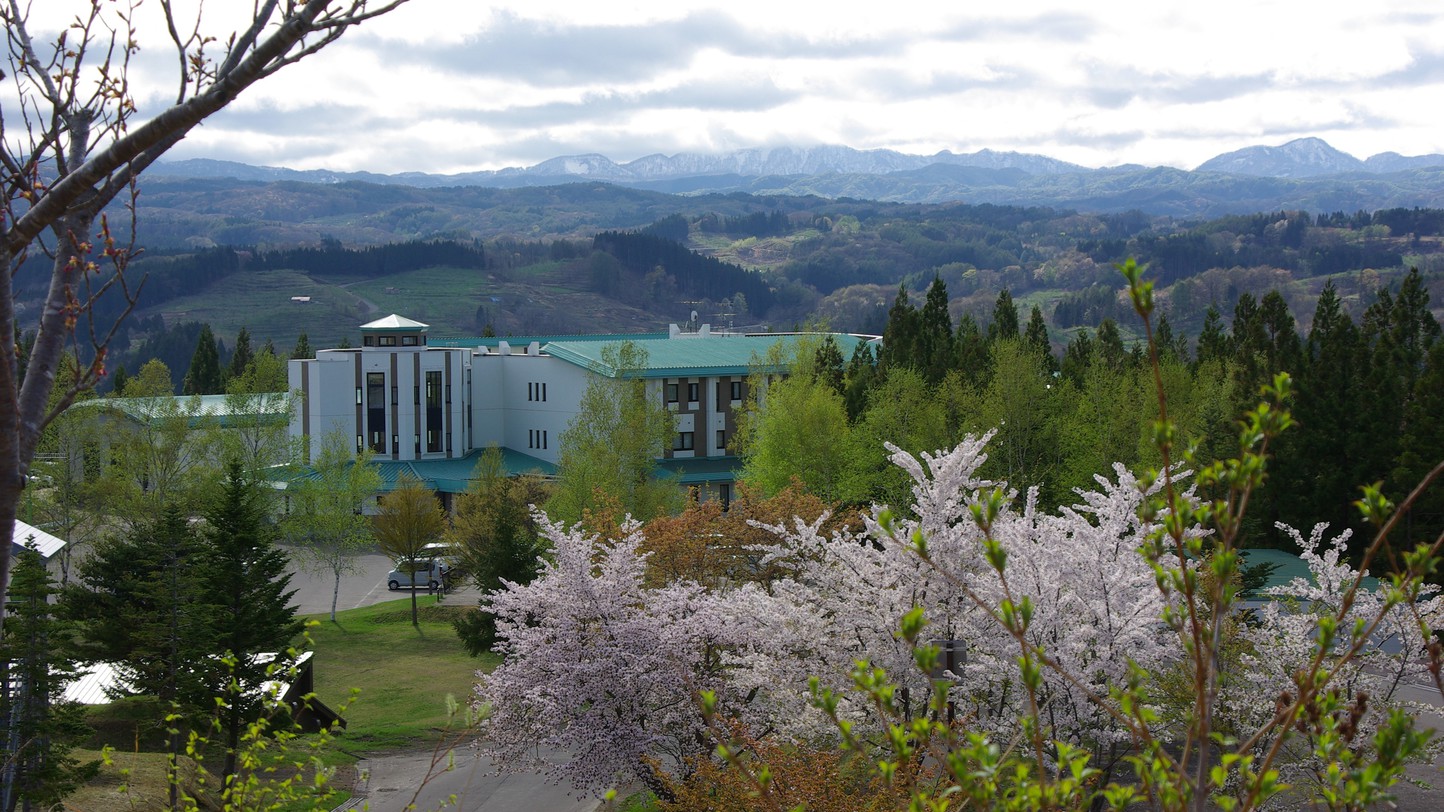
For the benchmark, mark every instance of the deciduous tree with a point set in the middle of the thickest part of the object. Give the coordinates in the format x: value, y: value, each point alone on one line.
x: 409, y: 519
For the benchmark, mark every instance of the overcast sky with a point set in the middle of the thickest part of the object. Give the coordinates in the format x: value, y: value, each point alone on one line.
x: 460, y: 85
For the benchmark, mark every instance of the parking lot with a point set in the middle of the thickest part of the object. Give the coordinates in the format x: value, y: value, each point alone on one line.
x: 363, y: 587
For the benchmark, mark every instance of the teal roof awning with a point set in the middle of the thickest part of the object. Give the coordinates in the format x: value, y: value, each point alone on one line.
x: 447, y: 475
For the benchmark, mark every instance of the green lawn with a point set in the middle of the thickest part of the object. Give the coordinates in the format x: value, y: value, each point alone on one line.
x: 404, y: 676
x: 404, y: 673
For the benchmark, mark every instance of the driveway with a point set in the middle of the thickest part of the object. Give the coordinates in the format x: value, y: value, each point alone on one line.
x: 363, y: 587
x: 471, y: 784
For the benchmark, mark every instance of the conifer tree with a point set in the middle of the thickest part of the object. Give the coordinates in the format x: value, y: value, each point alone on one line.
x: 828, y: 367
x: 861, y: 377
x: 936, y: 350
x: 41, y: 729
x: 900, y: 335
x: 118, y: 379
x: 302, y: 350
x: 1213, y: 342
x: 247, y: 586
x: 204, y: 376
x: 1036, y: 337
x: 241, y: 356
x: 138, y: 604
x: 1077, y: 357
x: 974, y: 358
x: 498, y: 539
x: 1005, y: 318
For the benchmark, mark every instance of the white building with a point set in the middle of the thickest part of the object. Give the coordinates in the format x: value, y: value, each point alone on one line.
x: 428, y: 407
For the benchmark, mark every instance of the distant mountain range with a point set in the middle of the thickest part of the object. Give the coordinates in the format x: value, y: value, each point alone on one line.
x: 1306, y: 173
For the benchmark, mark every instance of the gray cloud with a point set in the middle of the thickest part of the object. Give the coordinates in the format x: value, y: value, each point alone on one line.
x: 546, y: 54
x: 1041, y: 28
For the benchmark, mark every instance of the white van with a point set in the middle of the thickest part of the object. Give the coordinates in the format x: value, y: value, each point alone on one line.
x: 426, y: 572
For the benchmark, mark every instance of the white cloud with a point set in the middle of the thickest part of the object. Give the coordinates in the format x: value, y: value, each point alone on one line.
x: 453, y: 85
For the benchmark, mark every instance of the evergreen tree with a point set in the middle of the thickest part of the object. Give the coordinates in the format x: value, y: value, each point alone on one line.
x: 1213, y: 342
x: 936, y: 350
x: 1108, y: 347
x: 1317, y: 464
x: 139, y: 604
x: 36, y: 663
x: 240, y: 357
x: 1421, y: 447
x: 1005, y: 318
x: 247, y: 587
x: 302, y: 349
x: 498, y: 539
x: 118, y: 379
x: 204, y: 376
x: 1397, y: 335
x: 828, y: 366
x: 1036, y: 336
x: 861, y: 377
x: 974, y: 356
x: 1170, y: 347
x: 1077, y: 358
x: 900, y: 336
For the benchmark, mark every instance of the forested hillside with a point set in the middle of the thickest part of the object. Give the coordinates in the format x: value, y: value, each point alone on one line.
x: 281, y: 258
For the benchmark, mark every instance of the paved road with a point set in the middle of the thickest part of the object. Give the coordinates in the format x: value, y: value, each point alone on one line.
x: 471, y: 784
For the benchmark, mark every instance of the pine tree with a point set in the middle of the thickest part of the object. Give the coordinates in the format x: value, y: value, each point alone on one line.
x: 1213, y: 342
x: 974, y: 357
x: 36, y: 663
x: 1108, y: 347
x: 498, y: 539
x: 1036, y: 337
x: 1317, y: 464
x: 139, y: 604
x: 302, y: 349
x: 1005, y: 318
x: 1077, y: 358
x: 118, y: 379
x: 900, y: 335
x: 1421, y: 447
x: 204, y: 375
x: 240, y: 357
x: 828, y: 365
x: 861, y: 376
x: 936, y: 350
x: 247, y: 587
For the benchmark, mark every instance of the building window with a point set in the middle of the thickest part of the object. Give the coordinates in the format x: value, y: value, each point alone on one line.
x: 683, y: 441
x: 368, y: 341
x: 360, y: 443
x: 408, y: 341
x: 418, y: 443
x: 671, y: 393
x: 544, y: 439
x: 358, y: 396
x: 736, y: 390
x: 394, y: 393
x: 433, y: 411
x: 386, y: 341
x: 376, y: 410
x: 721, y: 440
x: 416, y: 394
x: 692, y: 392
x: 724, y: 495
x: 395, y: 444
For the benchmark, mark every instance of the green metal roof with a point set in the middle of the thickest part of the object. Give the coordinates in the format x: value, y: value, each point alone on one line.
x: 695, y: 357
x: 522, y: 341
x: 227, y: 410
x: 1290, y: 566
